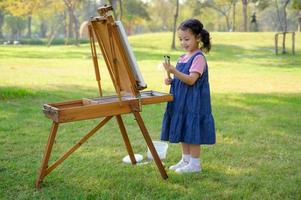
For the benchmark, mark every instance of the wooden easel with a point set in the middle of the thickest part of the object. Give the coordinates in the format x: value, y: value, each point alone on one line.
x: 128, y: 99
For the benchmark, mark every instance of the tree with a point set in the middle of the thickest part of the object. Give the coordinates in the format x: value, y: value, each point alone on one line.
x: 296, y: 4
x: 234, y: 2
x: 24, y: 8
x: 15, y: 25
x: 173, y: 44
x: 245, y: 14
x: 117, y: 12
x: 221, y: 6
x: 160, y: 15
x: 261, y: 4
x: 283, y: 22
x: 52, y: 20
x: 1, y: 18
x: 73, y: 24
x: 282, y: 9
x: 134, y: 13
x: 285, y: 14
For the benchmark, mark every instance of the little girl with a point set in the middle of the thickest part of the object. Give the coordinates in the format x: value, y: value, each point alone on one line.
x: 188, y: 118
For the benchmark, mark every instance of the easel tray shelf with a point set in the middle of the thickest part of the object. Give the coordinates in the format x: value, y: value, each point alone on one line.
x: 87, y: 108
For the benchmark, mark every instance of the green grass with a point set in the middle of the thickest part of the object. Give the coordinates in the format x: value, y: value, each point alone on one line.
x: 256, y: 100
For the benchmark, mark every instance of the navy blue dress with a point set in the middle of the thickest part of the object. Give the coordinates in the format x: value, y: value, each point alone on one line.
x: 188, y: 117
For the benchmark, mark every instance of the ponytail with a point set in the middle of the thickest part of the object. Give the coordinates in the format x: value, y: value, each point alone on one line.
x: 205, y: 38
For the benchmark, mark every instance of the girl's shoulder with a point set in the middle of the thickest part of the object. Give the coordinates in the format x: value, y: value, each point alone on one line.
x: 186, y: 57
x: 200, y: 56
x: 182, y: 58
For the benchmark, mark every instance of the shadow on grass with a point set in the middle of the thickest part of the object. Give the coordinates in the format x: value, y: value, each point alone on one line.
x: 58, y: 91
x: 261, y: 56
x: 43, y: 52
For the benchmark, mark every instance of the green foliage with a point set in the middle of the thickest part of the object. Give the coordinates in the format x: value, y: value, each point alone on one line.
x: 135, y: 8
x: 147, y: 16
x: 261, y: 4
x: 296, y: 4
x: 14, y: 24
x: 162, y: 14
x: 256, y: 105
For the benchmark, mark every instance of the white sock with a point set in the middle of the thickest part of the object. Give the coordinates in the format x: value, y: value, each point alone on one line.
x: 186, y: 157
x: 195, y: 161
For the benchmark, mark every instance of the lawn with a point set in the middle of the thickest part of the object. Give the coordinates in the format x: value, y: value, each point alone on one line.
x: 256, y: 102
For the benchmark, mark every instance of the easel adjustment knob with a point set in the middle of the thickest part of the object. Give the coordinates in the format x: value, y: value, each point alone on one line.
x: 104, y: 10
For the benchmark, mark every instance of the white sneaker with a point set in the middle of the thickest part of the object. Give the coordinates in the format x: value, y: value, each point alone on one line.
x: 188, y: 169
x: 180, y: 164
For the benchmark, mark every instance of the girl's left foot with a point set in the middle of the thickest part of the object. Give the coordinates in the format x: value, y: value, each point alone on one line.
x: 189, y: 169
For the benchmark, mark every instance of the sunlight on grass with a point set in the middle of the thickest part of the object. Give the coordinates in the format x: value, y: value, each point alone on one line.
x: 237, y: 171
x: 238, y: 69
x: 255, y: 101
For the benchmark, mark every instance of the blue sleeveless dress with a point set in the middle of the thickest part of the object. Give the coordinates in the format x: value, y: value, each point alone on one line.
x: 188, y: 117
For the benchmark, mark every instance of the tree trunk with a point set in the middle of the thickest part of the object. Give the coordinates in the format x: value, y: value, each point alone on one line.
x: 73, y: 26
x: 278, y: 16
x: 121, y: 10
x: 233, y: 15
x: 65, y: 24
x: 43, y: 29
x: 18, y: 35
x: 245, y: 14
x: 1, y: 23
x: 285, y: 26
x: 227, y: 22
x: 52, y: 35
x: 70, y: 11
x: 76, y: 28
x: 285, y: 15
x: 114, y: 6
x: 69, y: 29
x: 173, y: 45
x: 283, y: 43
x: 299, y: 19
x: 70, y: 23
x: 29, y: 19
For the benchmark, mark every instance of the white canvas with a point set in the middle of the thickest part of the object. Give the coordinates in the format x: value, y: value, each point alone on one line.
x: 130, y: 54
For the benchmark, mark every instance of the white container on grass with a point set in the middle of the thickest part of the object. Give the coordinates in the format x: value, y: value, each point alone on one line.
x: 161, y: 148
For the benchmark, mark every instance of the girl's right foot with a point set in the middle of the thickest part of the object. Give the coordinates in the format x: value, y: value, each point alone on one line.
x: 190, y: 168
x: 180, y: 164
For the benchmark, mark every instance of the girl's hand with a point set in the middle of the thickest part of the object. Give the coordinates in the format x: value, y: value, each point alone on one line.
x: 169, y: 68
x: 167, y: 81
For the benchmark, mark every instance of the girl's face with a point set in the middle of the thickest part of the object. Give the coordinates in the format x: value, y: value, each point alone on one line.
x: 189, y: 42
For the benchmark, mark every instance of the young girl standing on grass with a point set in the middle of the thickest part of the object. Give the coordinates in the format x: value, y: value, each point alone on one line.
x: 188, y: 118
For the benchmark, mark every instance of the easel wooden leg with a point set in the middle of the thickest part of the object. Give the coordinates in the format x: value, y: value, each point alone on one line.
x: 150, y: 145
x: 126, y: 139
x: 47, y: 153
x: 45, y: 170
x: 76, y: 146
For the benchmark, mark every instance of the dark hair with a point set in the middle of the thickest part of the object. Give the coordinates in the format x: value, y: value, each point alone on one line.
x: 198, y: 30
